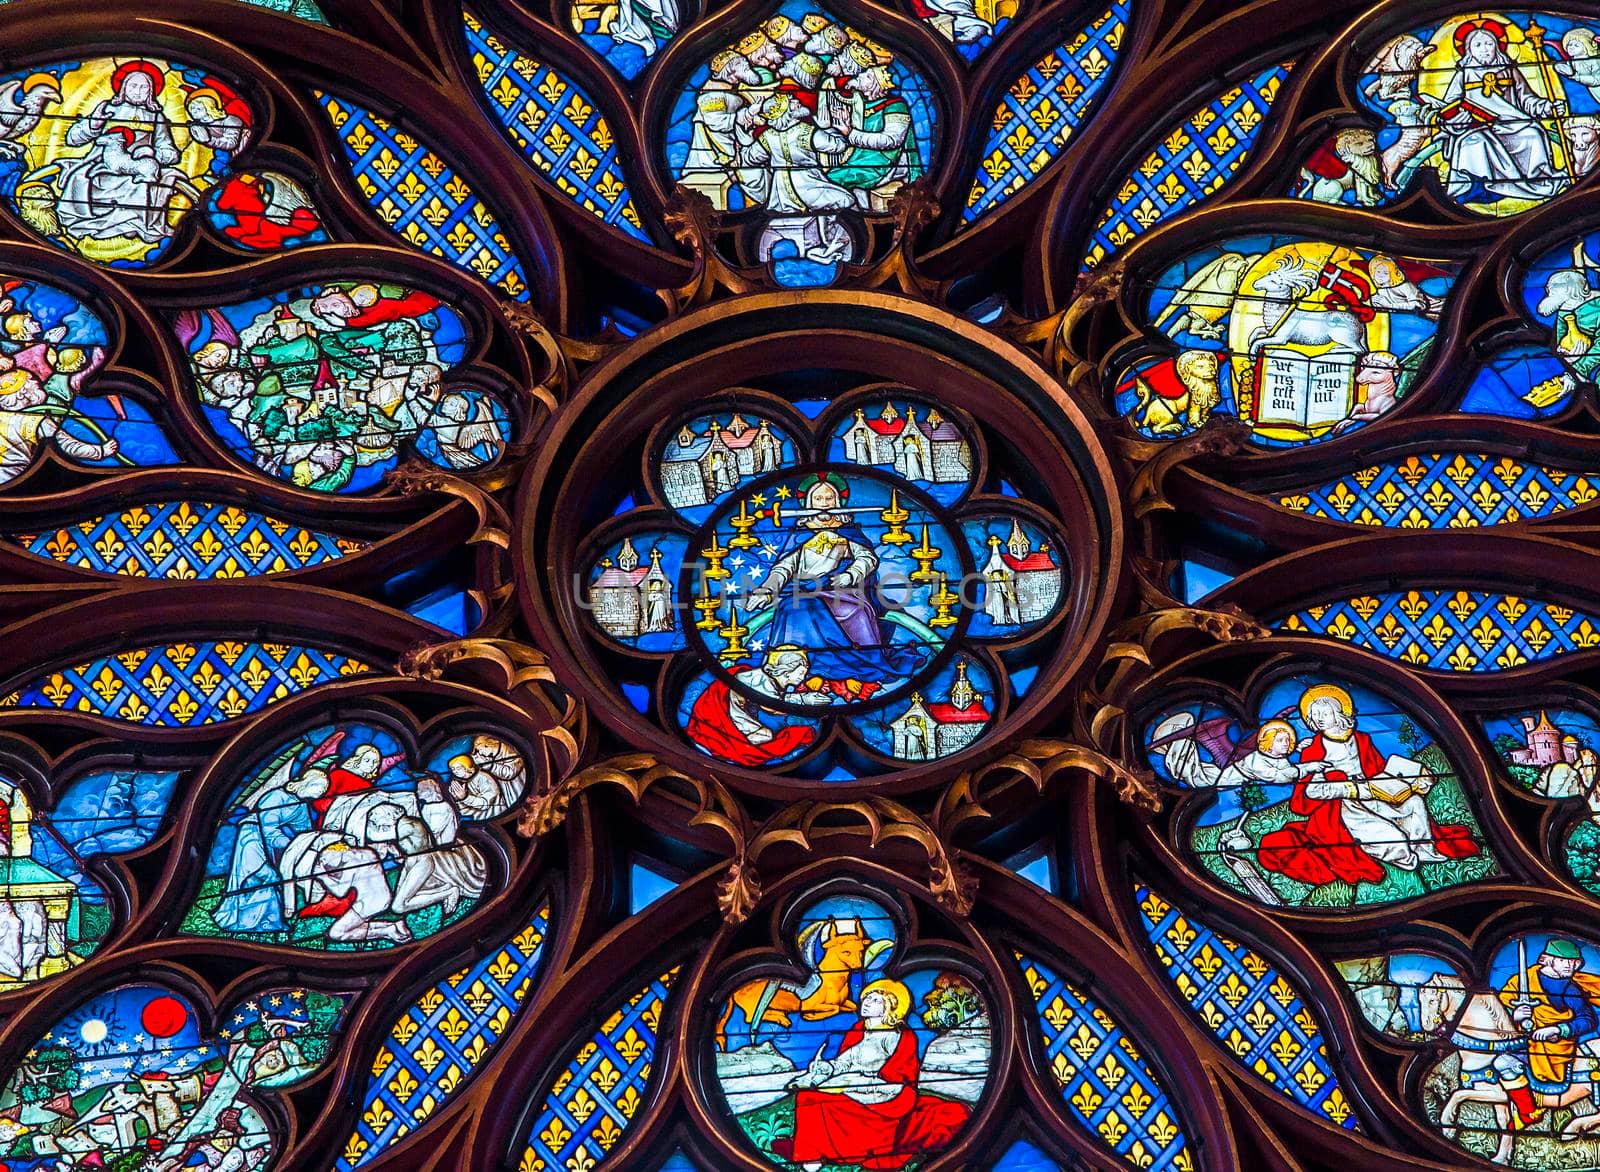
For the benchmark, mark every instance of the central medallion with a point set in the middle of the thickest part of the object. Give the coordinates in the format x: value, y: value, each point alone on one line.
x: 827, y: 589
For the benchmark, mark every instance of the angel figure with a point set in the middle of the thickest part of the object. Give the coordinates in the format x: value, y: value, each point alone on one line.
x: 1202, y: 303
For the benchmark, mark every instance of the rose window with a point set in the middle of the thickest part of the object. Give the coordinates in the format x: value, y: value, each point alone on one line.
x: 806, y: 586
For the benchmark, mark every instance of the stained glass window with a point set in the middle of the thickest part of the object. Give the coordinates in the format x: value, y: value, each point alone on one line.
x: 598, y: 585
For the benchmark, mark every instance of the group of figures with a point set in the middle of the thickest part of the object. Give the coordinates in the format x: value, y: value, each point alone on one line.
x: 806, y: 119
x: 131, y: 1079
x: 323, y: 386
x: 1517, y: 1081
x: 105, y: 156
x: 336, y: 842
x: 866, y: 586
x: 1300, y: 339
x: 868, y: 1062
x: 51, y: 344
x: 1504, y: 108
x: 1329, y: 797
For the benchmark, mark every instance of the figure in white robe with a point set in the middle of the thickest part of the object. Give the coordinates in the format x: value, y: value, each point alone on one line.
x: 121, y: 187
x: 1495, y: 142
x: 488, y: 780
x: 791, y: 149
x: 436, y: 867
x: 645, y: 23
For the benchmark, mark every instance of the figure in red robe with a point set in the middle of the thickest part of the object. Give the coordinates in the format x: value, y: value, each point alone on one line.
x: 1350, y: 831
x: 861, y: 1107
x: 267, y: 216
x: 725, y: 724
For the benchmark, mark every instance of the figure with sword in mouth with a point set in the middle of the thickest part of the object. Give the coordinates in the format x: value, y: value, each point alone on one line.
x: 823, y: 591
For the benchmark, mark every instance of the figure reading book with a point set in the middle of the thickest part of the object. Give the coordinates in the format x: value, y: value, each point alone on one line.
x: 1365, y: 810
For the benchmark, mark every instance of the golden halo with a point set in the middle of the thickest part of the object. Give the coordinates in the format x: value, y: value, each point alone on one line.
x: 1276, y: 726
x: 898, y: 995
x: 1321, y: 691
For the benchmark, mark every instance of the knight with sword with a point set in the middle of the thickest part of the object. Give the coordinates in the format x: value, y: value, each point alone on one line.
x: 1553, y: 1003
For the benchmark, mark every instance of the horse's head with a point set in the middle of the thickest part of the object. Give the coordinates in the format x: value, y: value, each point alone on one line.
x: 1439, y: 1000
x: 1290, y: 277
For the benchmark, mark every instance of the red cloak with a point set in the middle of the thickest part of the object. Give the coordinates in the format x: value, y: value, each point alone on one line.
x: 241, y: 197
x: 833, y: 1128
x: 340, y: 781
x: 711, y: 727
x: 1321, y: 848
x: 387, y: 309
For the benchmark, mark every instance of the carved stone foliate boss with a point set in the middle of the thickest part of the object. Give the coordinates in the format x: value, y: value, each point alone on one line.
x: 833, y: 587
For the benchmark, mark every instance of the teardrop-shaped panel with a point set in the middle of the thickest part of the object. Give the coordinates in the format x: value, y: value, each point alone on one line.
x: 107, y: 155
x: 1302, y: 339
x: 58, y: 912
x: 434, y: 1048
x: 341, y: 841
x: 785, y: 75
x: 326, y: 386
x: 1444, y: 490
x: 862, y: 1006
x: 180, y: 685
x: 1451, y: 630
x: 971, y: 27
x: 1260, y: 1019
x: 1497, y: 107
x: 133, y: 1070
x: 1323, y: 793
x: 604, y: 1083
x: 1194, y: 158
x: 421, y: 197
x: 556, y: 125
x: 1548, y: 752
x: 183, y: 540
x: 1104, y: 1081
x: 628, y: 36
x: 1045, y: 107
x: 265, y: 211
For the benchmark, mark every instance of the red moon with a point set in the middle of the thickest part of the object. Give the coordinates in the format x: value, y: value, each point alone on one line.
x: 164, y: 1017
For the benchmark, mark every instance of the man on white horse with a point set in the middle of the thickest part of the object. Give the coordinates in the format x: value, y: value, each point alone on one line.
x: 1554, y: 1003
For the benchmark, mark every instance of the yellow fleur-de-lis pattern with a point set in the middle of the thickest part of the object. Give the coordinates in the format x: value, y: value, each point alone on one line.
x: 558, y: 128
x: 181, y: 685
x: 1102, y: 1077
x: 1260, y: 1019
x: 1451, y: 630
x: 595, y: 1098
x: 437, y: 1044
x: 185, y: 540
x: 1445, y: 490
x: 1044, y: 108
x: 422, y: 200
x: 1194, y: 159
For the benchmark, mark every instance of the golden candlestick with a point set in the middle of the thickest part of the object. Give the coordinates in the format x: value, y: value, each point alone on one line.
x: 734, y: 634
x: 707, y: 606
x: 925, y: 555
x: 743, y: 523
x: 715, y: 553
x: 895, y: 517
x: 944, y: 600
